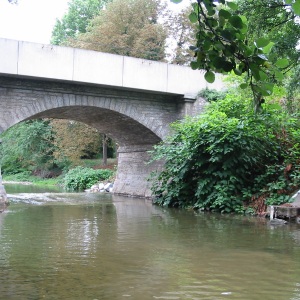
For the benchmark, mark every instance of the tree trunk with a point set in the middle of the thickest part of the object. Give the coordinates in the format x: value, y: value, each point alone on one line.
x: 104, y: 150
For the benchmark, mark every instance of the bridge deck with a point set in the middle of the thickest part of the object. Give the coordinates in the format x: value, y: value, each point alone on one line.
x: 19, y: 58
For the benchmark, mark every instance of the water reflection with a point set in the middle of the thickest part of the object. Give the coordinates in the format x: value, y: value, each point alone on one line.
x: 98, y: 246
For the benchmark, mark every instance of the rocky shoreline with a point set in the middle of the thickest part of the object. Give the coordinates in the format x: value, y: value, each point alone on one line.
x: 101, y: 187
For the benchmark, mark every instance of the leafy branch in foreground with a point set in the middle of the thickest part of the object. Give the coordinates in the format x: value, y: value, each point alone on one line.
x: 223, y: 46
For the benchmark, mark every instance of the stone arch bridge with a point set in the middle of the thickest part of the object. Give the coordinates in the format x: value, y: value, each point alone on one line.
x: 131, y: 100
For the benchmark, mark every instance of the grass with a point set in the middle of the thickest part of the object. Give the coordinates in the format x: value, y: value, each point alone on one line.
x: 88, y: 163
x: 25, y: 177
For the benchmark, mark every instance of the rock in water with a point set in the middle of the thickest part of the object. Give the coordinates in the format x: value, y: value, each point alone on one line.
x: 277, y: 222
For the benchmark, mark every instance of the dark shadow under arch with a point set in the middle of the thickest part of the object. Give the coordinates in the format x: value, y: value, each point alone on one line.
x: 124, y: 130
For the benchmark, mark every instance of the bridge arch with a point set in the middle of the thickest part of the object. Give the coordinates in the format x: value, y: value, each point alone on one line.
x: 135, y: 120
x: 140, y: 98
x: 28, y: 99
x: 121, y: 128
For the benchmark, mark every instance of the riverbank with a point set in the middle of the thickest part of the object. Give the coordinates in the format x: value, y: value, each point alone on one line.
x: 17, y: 182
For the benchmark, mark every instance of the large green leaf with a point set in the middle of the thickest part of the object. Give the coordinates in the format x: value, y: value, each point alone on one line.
x: 262, y: 42
x: 218, y: 62
x: 207, y: 44
x: 237, y: 72
x: 226, y: 34
x: 209, y: 77
x: 255, y: 71
x: 282, y: 63
x: 244, y: 29
x: 268, y: 88
x: 228, y: 66
x: 194, y: 65
x: 232, y: 5
x: 212, y: 22
x: 267, y: 49
x: 236, y: 22
x: 224, y: 13
x: 296, y: 7
x: 193, y: 17
x: 263, y: 76
x: 279, y: 76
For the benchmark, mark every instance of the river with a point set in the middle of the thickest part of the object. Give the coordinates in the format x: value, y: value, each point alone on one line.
x: 105, y: 247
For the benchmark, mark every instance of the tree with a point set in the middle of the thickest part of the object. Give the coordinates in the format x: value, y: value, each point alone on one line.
x: 128, y: 28
x: 76, y: 20
x: 273, y: 19
x: 75, y: 140
x: 223, y: 44
x: 182, y: 32
x: 28, y: 145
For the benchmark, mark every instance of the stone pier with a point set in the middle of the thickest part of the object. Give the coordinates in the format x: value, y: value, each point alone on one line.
x: 3, y: 196
x: 134, y: 171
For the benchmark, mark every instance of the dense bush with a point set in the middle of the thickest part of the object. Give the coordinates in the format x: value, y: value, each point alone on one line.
x: 81, y: 178
x: 229, y: 158
x: 212, y: 94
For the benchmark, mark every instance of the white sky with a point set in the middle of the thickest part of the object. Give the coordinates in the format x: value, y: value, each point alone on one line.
x: 33, y: 20
x: 30, y: 20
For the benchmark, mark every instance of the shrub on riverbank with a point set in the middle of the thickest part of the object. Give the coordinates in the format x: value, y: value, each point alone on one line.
x: 81, y: 178
x: 229, y: 159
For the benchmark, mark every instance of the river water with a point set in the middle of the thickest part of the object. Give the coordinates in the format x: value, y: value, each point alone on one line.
x: 100, y: 246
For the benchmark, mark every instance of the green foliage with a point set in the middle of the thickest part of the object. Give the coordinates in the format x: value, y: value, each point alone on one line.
x: 75, y: 140
x: 129, y: 28
x: 226, y: 41
x: 24, y: 176
x: 212, y: 94
x: 220, y: 159
x: 273, y: 19
x: 81, y: 178
x: 76, y: 20
x: 27, y: 146
x: 223, y: 47
x: 293, y: 91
